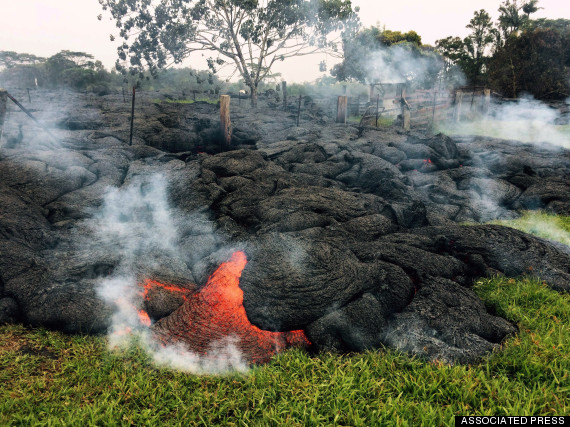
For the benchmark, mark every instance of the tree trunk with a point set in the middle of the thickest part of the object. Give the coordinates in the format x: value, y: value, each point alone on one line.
x: 253, y: 90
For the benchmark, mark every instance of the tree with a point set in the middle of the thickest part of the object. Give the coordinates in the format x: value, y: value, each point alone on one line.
x: 511, y: 20
x: 10, y: 59
x: 530, y: 7
x: 458, y: 52
x: 249, y: 34
x: 536, y: 62
x: 481, y: 36
x: 469, y: 53
x: 20, y: 69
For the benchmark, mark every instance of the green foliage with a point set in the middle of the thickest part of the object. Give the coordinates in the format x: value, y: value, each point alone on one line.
x: 49, y: 378
x: 536, y: 62
x: 10, y: 59
x: 389, y: 38
x: 515, y: 16
x: 527, y: 56
x: 469, y: 53
x: 76, y: 70
x: 185, y: 81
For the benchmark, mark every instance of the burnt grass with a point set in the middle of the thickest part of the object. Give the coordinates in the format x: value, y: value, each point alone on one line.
x: 353, y: 235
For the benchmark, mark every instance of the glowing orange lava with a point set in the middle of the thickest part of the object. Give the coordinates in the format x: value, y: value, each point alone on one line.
x: 144, y: 318
x: 216, y: 313
x: 149, y: 284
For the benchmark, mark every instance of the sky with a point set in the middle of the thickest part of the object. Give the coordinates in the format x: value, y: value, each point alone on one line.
x: 45, y: 27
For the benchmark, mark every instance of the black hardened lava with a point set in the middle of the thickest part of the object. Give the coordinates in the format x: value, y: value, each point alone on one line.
x: 354, y: 236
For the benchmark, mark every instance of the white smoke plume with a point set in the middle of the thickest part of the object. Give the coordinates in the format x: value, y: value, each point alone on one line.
x: 526, y: 119
x: 396, y: 65
x: 137, y: 225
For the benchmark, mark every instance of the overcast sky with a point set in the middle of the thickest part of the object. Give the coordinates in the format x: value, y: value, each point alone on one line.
x: 45, y: 27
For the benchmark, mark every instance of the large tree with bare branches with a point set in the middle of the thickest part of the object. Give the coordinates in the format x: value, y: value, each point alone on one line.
x: 250, y: 35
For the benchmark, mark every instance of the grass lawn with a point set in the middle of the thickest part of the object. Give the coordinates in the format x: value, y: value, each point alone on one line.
x: 48, y: 378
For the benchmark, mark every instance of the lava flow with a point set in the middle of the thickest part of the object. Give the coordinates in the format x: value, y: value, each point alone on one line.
x: 216, y: 313
x: 149, y: 285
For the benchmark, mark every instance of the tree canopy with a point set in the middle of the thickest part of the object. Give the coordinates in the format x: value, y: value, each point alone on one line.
x: 77, y: 70
x: 516, y: 54
x: 537, y: 62
x: 250, y: 35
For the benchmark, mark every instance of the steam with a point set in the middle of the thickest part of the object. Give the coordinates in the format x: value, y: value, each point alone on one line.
x: 136, y: 226
x: 52, y: 109
x: 396, y: 65
x: 526, y: 120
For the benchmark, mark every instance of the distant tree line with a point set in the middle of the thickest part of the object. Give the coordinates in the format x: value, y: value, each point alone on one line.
x: 516, y: 54
x: 75, y: 70
x: 80, y: 71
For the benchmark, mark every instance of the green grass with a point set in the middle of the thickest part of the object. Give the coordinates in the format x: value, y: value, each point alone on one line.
x: 49, y: 378
x: 383, y: 121
x: 541, y: 224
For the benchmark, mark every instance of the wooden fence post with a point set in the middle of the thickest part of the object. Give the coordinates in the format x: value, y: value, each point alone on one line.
x: 284, y: 89
x: 458, y: 101
x: 406, y: 115
x: 3, y: 101
x: 341, y: 109
x: 225, y: 122
x: 132, y: 117
x: 377, y: 106
x: 407, y: 119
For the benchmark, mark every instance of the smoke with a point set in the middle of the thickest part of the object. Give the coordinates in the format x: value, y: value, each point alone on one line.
x: 526, y: 119
x: 54, y: 112
x: 398, y: 64
x: 137, y: 226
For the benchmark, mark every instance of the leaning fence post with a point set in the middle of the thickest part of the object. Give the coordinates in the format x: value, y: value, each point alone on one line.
x: 341, y: 109
x: 29, y: 97
x: 132, y: 117
x: 3, y: 101
x: 225, y: 122
x: 405, y: 109
x: 284, y: 90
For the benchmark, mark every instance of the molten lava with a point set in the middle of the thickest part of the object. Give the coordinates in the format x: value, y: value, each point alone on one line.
x: 144, y: 318
x: 149, y: 285
x: 216, y: 313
